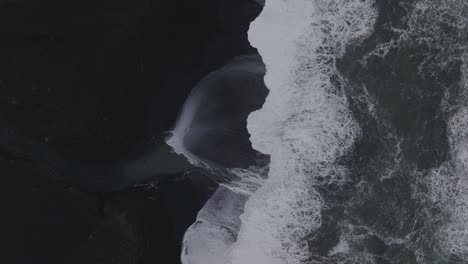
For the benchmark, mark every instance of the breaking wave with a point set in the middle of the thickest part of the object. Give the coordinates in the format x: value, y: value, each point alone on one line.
x: 305, y: 124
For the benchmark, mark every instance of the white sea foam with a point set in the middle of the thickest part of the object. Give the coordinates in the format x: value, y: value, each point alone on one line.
x: 209, y: 239
x: 305, y: 124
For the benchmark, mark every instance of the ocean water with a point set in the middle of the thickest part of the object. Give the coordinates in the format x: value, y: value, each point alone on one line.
x: 365, y: 126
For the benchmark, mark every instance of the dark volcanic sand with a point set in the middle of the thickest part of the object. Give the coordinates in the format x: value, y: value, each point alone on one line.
x: 87, y: 87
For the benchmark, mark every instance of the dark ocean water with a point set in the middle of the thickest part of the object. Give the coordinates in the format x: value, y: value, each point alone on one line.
x: 404, y: 83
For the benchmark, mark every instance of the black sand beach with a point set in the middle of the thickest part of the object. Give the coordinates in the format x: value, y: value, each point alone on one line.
x: 88, y: 91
